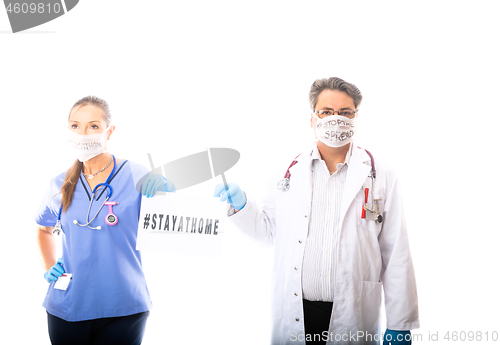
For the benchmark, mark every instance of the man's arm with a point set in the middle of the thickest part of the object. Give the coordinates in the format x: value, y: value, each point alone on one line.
x: 398, y: 276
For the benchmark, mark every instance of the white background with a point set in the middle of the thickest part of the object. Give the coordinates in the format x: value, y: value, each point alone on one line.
x: 181, y: 76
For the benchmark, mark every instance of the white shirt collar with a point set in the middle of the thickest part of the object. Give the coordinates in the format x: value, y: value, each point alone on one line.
x: 315, y: 154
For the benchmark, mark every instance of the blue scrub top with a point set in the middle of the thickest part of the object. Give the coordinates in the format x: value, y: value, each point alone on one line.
x: 108, y: 280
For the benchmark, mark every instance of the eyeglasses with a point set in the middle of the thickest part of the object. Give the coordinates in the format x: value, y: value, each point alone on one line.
x: 342, y: 112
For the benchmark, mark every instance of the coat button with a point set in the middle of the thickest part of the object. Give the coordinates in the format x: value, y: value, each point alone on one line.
x: 295, y: 268
x: 300, y: 241
x: 295, y: 294
x: 297, y: 319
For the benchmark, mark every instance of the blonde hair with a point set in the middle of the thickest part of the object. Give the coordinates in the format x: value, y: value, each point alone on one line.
x: 73, y: 173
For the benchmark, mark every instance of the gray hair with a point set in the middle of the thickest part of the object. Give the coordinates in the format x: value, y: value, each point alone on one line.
x: 96, y: 102
x: 334, y: 83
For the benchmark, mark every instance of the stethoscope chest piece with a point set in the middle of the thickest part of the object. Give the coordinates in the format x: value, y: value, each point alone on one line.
x: 283, y: 184
x: 57, y: 228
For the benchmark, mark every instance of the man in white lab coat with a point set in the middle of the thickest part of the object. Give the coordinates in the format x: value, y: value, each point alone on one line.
x: 337, y: 224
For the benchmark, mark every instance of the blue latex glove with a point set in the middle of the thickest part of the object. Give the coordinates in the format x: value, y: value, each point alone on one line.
x: 55, y: 271
x: 156, y: 182
x: 237, y: 197
x: 397, y: 337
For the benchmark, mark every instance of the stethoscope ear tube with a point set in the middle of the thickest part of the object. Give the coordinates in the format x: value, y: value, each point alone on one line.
x: 373, y: 172
x: 88, y: 222
x: 106, y: 185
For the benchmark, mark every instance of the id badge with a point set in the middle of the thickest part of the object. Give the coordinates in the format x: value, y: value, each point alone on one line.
x: 63, y: 281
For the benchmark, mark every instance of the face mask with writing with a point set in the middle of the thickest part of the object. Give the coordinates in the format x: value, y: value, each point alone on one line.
x: 335, y: 130
x: 86, y: 147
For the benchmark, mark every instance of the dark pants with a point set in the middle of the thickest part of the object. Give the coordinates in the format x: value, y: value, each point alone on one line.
x: 123, y: 330
x: 316, y: 321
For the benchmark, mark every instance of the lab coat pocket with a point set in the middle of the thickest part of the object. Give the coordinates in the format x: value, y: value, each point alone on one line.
x: 371, y: 300
x: 277, y: 288
x: 368, y: 223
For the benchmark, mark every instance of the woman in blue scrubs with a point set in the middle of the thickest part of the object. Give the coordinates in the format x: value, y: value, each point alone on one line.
x: 106, y: 300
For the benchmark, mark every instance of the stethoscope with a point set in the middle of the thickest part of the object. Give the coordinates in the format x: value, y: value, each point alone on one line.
x: 374, y: 209
x: 284, y: 185
x: 111, y: 218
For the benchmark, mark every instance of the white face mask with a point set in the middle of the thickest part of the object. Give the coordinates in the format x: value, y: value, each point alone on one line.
x: 335, y: 130
x: 86, y: 147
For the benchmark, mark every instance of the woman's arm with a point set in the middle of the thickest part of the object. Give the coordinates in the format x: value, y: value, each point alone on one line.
x: 47, y: 246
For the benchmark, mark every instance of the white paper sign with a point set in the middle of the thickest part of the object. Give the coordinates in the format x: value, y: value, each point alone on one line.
x: 181, y: 223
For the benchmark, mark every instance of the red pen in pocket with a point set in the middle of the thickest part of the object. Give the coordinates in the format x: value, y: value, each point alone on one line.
x: 363, y: 212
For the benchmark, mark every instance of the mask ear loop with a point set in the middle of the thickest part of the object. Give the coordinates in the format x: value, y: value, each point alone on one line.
x: 315, y: 127
x: 104, y: 150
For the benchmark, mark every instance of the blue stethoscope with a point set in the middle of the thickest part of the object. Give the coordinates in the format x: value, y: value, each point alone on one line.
x: 111, y: 219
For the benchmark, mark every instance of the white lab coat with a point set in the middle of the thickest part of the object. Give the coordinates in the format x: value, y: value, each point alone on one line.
x: 370, y: 256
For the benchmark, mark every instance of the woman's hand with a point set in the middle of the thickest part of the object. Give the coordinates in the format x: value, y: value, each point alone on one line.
x: 55, y: 271
x: 156, y: 182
